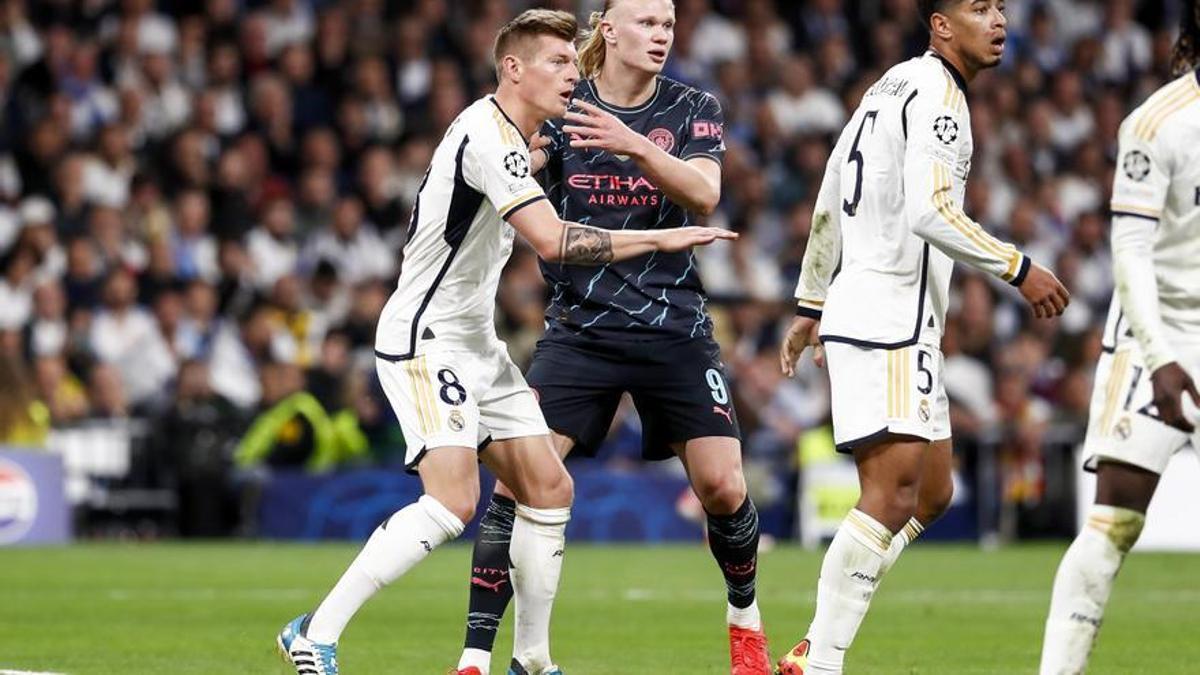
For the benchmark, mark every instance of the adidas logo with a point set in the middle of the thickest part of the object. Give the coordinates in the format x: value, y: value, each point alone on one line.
x: 428, y: 547
x: 557, y: 554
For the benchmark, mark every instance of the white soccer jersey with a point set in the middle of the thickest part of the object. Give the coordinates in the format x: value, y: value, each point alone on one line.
x: 458, y: 240
x: 890, y: 206
x: 1156, y: 225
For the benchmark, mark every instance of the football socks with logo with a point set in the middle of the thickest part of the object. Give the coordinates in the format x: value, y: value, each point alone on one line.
x: 1082, y: 585
x: 733, y: 539
x: 491, y: 588
x: 403, y: 540
x: 850, y: 574
x: 536, y: 552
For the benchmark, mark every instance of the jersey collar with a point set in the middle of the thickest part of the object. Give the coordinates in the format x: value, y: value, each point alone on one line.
x: 618, y: 109
x: 958, y: 78
x: 514, y: 124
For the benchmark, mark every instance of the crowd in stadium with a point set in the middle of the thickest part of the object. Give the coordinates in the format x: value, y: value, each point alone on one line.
x: 203, y: 205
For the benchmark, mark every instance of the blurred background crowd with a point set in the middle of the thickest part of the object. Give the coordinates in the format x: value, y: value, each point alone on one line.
x: 203, y: 205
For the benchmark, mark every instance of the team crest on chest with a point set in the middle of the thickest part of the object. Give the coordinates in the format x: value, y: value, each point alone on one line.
x: 663, y: 138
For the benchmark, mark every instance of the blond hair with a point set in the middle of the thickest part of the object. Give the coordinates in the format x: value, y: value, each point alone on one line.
x: 591, y: 54
x: 530, y: 24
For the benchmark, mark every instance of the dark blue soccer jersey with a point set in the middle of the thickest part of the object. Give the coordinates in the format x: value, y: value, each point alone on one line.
x: 655, y: 296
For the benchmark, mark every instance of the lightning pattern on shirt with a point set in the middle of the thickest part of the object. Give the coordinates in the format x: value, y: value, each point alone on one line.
x: 658, y: 295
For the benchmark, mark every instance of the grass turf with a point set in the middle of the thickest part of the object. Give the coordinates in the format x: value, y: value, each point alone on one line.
x: 215, y: 608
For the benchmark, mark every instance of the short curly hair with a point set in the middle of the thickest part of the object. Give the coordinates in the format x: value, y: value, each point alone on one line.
x: 1186, y: 54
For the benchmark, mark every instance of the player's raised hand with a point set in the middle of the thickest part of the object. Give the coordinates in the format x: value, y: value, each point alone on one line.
x: 802, y: 334
x: 682, y: 238
x: 537, y: 160
x: 591, y: 127
x: 1044, y: 292
x: 1170, y: 382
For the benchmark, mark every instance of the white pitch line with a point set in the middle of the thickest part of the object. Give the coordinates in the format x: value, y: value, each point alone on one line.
x: 26, y: 672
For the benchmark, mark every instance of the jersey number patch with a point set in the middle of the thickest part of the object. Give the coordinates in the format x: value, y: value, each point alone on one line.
x: 452, y: 391
x: 716, y: 384
x: 856, y: 157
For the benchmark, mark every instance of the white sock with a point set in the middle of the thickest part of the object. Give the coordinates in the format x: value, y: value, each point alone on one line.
x: 537, y: 555
x: 744, y: 617
x: 907, y: 535
x: 1082, y: 585
x: 475, y: 657
x: 403, y: 540
x: 849, y: 576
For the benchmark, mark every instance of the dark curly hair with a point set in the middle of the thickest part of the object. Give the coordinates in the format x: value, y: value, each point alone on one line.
x: 1187, y: 48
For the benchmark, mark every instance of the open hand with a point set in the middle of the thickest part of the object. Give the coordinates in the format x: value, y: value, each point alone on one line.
x: 683, y: 238
x: 802, y: 334
x: 591, y: 127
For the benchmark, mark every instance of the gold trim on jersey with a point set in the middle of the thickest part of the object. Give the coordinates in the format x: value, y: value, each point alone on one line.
x: 954, y: 215
x: 953, y: 98
x: 422, y: 393
x: 1165, y: 103
x: 507, y: 133
x: 524, y: 196
x: 1112, y: 390
x: 814, y: 303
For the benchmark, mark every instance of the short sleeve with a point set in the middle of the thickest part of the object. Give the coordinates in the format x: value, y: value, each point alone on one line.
x: 1142, y: 179
x: 705, y: 132
x: 501, y: 172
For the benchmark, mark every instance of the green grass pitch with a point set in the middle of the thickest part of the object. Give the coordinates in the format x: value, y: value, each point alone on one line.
x: 215, y: 608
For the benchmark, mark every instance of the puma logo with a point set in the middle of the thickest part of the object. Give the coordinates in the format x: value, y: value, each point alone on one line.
x: 494, y: 586
x: 721, y: 411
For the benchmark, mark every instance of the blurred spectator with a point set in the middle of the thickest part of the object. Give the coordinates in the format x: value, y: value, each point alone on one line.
x: 127, y: 338
x: 24, y: 420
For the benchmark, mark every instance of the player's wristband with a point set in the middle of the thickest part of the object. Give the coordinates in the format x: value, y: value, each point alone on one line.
x: 809, y: 312
x: 1026, y: 263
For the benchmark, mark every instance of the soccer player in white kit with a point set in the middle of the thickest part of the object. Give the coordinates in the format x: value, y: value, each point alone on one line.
x: 1151, y: 349
x: 459, y: 398
x: 890, y: 210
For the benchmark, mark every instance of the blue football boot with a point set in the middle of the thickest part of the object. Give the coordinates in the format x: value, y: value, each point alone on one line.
x: 308, y: 657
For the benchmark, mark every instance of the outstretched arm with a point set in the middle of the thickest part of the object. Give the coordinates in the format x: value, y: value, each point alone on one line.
x: 574, y: 244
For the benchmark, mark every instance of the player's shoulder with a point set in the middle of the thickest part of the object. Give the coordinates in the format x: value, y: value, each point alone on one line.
x: 1170, y: 106
x: 935, y: 80
x: 672, y: 90
x: 487, y: 124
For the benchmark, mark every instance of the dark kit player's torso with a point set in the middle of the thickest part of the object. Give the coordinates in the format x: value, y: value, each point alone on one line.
x: 653, y: 297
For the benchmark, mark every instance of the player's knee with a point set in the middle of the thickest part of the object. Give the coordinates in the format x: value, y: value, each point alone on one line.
x: 1125, y: 529
x: 461, y: 505
x: 935, y: 502
x: 901, y: 505
x: 556, y: 491
x: 720, y: 493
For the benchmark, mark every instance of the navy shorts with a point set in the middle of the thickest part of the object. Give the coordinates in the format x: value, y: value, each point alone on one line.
x: 678, y: 387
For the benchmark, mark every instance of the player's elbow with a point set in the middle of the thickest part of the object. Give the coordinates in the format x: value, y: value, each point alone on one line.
x: 921, y: 220
x: 548, y: 250
x: 708, y: 199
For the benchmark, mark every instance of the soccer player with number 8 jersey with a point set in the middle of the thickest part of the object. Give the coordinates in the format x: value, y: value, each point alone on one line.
x: 637, y: 152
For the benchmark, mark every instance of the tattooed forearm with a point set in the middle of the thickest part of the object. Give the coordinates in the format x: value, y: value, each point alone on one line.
x: 583, y: 245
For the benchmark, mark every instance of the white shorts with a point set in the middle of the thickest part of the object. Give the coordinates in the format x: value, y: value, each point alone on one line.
x: 1122, y: 422
x: 876, y: 392
x: 453, y: 396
